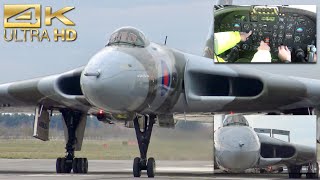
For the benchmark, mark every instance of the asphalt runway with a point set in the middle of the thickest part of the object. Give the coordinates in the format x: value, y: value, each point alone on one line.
x: 251, y: 176
x: 34, y: 169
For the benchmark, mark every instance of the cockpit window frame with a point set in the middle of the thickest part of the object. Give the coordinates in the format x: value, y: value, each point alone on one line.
x: 128, y: 37
x: 230, y: 121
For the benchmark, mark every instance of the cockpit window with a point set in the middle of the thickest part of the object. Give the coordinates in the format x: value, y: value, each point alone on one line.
x: 235, y: 120
x: 128, y: 36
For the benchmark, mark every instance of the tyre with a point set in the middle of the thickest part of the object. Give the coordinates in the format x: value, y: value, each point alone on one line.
x: 295, y: 175
x: 86, y: 165
x: 58, y: 165
x: 136, y: 167
x: 151, y: 167
x: 62, y: 165
x: 65, y: 166
x: 295, y: 171
x: 75, y: 165
x: 311, y: 176
x: 80, y: 165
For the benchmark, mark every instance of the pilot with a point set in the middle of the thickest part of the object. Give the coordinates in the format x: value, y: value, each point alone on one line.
x: 285, y: 55
x: 224, y: 41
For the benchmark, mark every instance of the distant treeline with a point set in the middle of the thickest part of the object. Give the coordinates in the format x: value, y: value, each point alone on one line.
x: 16, y: 120
x: 21, y: 126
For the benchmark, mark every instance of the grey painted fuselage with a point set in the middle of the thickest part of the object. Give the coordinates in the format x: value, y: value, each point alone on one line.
x: 149, y: 78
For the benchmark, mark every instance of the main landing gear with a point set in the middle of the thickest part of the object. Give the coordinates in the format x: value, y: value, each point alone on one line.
x: 312, y: 171
x: 143, y: 137
x: 295, y: 171
x: 69, y: 162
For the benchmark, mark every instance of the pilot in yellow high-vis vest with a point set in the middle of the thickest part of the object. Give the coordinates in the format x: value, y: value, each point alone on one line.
x: 224, y: 41
x: 220, y: 42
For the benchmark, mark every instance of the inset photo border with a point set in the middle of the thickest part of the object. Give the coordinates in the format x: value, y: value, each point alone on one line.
x: 265, y: 34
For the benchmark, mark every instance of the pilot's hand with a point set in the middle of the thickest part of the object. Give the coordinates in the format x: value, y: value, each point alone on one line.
x: 284, y: 53
x: 264, y: 46
x: 244, y: 36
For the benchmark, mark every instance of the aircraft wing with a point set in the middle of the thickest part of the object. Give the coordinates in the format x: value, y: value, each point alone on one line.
x: 50, y: 92
x: 278, y: 152
x: 207, y: 88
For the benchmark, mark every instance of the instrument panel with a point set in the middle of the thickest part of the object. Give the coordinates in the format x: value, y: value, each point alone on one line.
x: 272, y: 26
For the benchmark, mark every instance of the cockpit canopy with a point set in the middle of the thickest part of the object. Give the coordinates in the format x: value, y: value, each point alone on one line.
x: 128, y: 36
x: 235, y: 120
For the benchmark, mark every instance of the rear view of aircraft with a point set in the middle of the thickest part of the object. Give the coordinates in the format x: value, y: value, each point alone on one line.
x: 135, y: 80
x: 238, y: 147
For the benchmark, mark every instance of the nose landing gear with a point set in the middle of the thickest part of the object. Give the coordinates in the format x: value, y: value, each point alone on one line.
x: 143, y: 137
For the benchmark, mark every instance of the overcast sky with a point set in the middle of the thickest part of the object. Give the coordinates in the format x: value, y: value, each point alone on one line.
x: 302, y: 128
x: 185, y: 22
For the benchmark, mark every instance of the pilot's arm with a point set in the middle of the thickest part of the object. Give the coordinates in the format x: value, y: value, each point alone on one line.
x: 263, y: 54
x: 284, y: 54
x: 226, y: 40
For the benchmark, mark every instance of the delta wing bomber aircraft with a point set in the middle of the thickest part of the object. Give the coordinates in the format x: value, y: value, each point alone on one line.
x: 135, y: 80
x: 238, y: 147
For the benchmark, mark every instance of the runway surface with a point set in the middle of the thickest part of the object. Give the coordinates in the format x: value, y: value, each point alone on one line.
x: 34, y: 169
x: 101, y: 169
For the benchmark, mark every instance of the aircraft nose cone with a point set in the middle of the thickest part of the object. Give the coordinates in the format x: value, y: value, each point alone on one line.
x: 115, y: 80
x: 238, y: 148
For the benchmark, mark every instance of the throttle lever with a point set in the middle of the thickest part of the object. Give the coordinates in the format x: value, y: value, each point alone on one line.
x: 300, y: 54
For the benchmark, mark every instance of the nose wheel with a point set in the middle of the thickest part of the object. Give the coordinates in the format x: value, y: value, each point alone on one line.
x: 143, y: 137
x: 151, y: 167
x: 139, y: 165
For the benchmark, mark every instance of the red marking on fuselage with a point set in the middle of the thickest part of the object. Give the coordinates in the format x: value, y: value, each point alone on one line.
x: 166, y: 77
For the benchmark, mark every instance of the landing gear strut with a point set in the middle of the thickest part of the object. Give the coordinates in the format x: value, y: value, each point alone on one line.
x: 69, y: 162
x: 143, y: 137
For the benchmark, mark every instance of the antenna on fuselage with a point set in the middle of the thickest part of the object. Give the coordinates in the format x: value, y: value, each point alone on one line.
x: 165, y: 41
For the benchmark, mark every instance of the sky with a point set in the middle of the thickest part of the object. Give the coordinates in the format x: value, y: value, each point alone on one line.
x: 302, y: 128
x: 185, y: 22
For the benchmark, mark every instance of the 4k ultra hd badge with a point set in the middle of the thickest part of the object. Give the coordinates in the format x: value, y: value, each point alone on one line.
x: 22, y: 23
x: 22, y: 16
